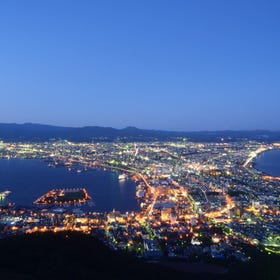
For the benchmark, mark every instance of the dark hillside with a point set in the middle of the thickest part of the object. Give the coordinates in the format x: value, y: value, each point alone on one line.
x: 37, y: 132
x: 70, y: 256
x: 77, y: 256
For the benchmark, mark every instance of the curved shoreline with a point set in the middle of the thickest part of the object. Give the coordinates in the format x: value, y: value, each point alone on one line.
x: 255, y: 154
x: 264, y: 174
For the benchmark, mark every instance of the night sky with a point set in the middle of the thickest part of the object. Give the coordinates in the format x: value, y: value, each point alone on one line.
x: 174, y: 65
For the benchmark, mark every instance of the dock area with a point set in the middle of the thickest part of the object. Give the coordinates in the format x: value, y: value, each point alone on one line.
x: 65, y: 196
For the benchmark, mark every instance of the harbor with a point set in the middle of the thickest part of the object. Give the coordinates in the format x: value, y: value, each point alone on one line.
x: 64, y: 197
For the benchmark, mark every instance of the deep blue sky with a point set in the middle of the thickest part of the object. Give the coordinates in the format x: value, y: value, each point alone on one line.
x: 176, y: 65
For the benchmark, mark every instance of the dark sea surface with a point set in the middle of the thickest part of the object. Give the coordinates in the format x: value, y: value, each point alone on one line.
x: 27, y: 179
x: 269, y: 162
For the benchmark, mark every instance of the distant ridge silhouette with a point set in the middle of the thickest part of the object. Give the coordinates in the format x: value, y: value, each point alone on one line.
x: 40, y: 132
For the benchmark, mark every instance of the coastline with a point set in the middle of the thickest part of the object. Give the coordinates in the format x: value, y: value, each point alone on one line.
x: 254, y: 155
x: 264, y: 174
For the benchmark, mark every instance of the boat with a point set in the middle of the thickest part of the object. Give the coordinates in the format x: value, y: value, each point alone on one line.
x: 122, y: 176
x: 4, y: 195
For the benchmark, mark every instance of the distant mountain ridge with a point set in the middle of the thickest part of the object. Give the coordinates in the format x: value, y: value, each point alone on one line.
x: 40, y: 132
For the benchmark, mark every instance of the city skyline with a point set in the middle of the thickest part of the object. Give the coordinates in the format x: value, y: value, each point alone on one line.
x: 180, y: 66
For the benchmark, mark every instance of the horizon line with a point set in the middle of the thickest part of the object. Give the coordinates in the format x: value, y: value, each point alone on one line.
x: 134, y: 127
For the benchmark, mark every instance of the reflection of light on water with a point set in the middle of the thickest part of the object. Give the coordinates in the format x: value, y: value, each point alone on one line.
x: 122, y: 186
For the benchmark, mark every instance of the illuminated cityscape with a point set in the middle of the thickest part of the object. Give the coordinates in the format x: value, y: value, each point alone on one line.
x: 140, y: 139
x: 195, y: 199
